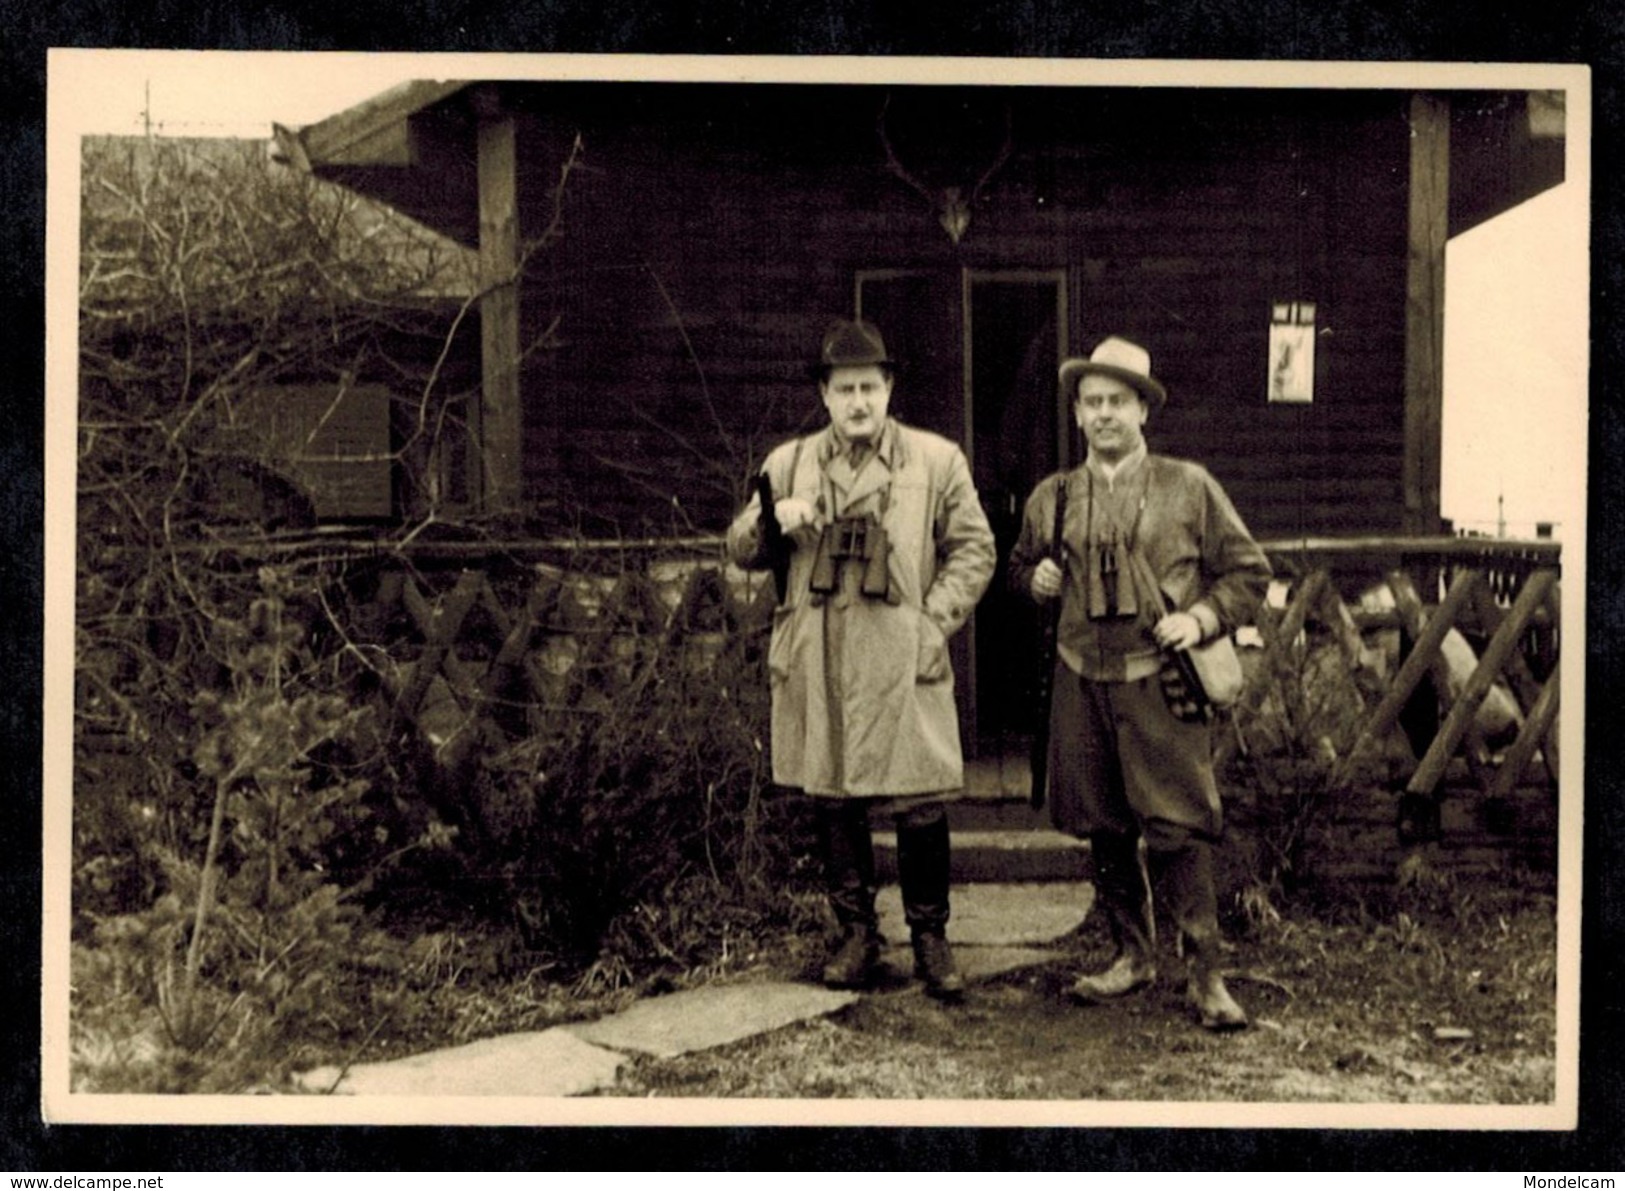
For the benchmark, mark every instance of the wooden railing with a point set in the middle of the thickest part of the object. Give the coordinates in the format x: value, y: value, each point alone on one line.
x: 1502, y: 594
x: 478, y: 643
x: 470, y: 637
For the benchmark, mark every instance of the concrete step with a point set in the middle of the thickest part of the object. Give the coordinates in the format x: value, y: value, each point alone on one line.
x: 998, y: 778
x: 997, y: 836
x: 986, y: 814
x: 999, y: 856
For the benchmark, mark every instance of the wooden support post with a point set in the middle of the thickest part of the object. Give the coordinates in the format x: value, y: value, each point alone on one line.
x: 517, y: 633
x: 496, y: 428
x: 1522, y: 680
x: 1423, y: 653
x: 1297, y: 613
x: 1278, y: 641
x: 1429, y: 223
x: 443, y: 636
x: 1339, y: 621
x: 1450, y: 735
x: 1542, y: 716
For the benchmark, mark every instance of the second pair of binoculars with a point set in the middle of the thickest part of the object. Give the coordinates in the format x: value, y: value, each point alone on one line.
x: 852, y: 539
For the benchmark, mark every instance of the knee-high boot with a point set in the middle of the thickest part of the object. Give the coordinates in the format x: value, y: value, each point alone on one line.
x: 1184, y: 878
x: 923, y: 855
x: 849, y: 883
x: 1121, y: 888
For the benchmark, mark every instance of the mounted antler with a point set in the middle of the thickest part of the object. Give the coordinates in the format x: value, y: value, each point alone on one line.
x: 953, y: 210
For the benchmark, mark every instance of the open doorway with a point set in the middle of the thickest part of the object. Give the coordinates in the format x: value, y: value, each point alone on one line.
x: 978, y: 352
x: 1014, y: 338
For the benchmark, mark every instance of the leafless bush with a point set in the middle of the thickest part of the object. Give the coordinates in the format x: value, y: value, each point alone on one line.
x: 1297, y: 731
x: 210, y: 277
x: 246, y: 789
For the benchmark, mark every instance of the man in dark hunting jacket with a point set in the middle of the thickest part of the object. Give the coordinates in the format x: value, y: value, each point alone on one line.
x: 1155, y: 558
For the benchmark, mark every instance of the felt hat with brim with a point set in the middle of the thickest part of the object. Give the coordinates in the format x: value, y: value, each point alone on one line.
x: 1119, y: 359
x: 851, y: 343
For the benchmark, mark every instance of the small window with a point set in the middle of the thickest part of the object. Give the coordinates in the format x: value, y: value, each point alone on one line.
x: 333, y: 440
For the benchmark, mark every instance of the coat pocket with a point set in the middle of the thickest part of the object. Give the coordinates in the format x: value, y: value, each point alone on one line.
x: 931, y: 659
x: 781, y: 649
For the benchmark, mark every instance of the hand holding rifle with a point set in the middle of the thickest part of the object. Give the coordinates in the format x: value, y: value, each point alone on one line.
x: 786, y: 523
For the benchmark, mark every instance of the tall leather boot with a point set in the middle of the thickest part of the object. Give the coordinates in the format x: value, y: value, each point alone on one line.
x: 1185, y: 881
x: 1121, y: 889
x: 922, y: 872
x: 849, y: 883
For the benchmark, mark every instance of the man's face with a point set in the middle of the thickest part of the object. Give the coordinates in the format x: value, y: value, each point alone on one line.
x: 856, y: 398
x: 1111, y: 415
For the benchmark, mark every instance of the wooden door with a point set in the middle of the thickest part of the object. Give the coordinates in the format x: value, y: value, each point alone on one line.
x: 978, y: 352
x: 1014, y: 339
x: 920, y: 314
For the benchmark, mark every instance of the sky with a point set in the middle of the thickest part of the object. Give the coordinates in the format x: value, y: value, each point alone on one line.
x: 1515, y: 321
x: 1515, y: 347
x: 201, y: 93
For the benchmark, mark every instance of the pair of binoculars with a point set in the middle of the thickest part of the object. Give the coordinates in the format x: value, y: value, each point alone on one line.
x: 1110, y: 596
x: 855, y: 539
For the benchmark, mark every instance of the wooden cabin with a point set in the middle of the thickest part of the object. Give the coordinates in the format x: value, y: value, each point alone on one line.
x: 661, y: 260
x: 194, y: 249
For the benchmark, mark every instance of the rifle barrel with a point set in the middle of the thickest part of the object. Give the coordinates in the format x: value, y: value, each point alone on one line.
x: 774, y: 545
x: 1044, y: 688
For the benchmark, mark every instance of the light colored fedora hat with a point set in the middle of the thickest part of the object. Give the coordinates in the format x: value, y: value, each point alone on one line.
x: 1118, y: 358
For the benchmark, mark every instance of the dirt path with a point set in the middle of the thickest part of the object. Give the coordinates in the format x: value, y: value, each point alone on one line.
x: 1457, y: 1012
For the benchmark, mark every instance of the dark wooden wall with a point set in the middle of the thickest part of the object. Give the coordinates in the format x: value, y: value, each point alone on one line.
x: 712, y: 231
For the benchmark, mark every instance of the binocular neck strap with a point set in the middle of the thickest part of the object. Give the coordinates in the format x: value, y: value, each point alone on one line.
x: 795, y: 466
x: 1139, y: 511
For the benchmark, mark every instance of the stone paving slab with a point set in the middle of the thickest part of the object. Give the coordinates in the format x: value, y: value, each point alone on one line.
x: 975, y: 964
x: 701, y: 1018
x: 538, y: 1063
x: 993, y: 928
x: 999, y: 915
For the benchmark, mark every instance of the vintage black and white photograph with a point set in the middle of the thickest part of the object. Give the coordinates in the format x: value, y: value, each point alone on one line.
x: 594, y: 590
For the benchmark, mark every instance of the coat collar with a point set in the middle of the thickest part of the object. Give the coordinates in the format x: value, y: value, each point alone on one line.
x: 876, y: 472
x: 1125, y: 468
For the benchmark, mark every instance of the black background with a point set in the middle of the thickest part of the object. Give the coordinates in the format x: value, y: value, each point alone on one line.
x: 1332, y: 30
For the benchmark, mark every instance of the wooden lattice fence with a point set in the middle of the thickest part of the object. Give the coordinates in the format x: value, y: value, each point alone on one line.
x: 468, y: 649
x: 1476, y: 803
x: 473, y: 652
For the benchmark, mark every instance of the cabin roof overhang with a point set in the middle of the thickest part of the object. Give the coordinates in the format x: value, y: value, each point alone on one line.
x: 1505, y: 147
x: 386, y: 148
x: 374, y: 132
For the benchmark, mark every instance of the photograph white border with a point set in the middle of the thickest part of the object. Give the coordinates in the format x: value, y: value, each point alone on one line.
x: 73, y: 80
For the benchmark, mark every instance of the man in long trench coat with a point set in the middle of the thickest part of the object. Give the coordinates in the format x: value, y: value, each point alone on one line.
x: 890, y: 551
